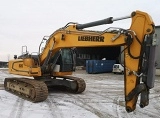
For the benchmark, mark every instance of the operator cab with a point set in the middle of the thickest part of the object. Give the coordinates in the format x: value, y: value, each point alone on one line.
x: 63, y: 60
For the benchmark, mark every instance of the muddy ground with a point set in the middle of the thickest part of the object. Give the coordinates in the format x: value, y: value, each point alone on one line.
x: 103, y: 98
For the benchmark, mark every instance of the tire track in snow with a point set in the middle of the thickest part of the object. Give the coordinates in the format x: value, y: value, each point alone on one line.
x: 148, y: 113
x: 109, y: 98
x: 54, y: 110
x: 125, y: 114
x: 118, y: 104
x: 120, y: 112
x: 20, y: 109
x: 154, y: 101
x: 14, y: 109
x: 17, y: 109
x: 88, y: 107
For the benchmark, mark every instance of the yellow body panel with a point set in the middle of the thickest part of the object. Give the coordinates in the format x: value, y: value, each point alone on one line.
x: 28, y: 62
x: 62, y: 73
x: 18, y: 67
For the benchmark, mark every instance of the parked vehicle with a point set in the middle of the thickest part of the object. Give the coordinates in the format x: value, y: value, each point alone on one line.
x: 118, y: 68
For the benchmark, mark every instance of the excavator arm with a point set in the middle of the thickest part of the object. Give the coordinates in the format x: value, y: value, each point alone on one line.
x: 139, y: 53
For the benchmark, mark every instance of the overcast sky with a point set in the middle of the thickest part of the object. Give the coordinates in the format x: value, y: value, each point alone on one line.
x: 25, y: 22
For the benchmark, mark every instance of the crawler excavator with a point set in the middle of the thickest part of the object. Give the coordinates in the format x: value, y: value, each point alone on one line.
x: 54, y: 65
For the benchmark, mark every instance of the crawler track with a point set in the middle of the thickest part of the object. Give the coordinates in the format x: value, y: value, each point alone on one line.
x: 32, y: 90
x: 81, y: 85
x: 36, y: 90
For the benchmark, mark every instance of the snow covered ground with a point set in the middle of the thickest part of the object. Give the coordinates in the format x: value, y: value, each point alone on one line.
x: 103, y: 98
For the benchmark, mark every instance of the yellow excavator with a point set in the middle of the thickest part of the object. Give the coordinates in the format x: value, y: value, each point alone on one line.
x: 54, y: 65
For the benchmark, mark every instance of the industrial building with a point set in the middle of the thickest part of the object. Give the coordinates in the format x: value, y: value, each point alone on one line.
x: 109, y: 53
x: 3, y: 64
x: 97, y: 53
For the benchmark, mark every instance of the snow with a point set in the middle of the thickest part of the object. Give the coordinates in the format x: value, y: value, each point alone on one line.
x: 103, y: 98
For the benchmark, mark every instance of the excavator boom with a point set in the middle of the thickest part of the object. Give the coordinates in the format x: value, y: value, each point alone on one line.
x: 58, y: 57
